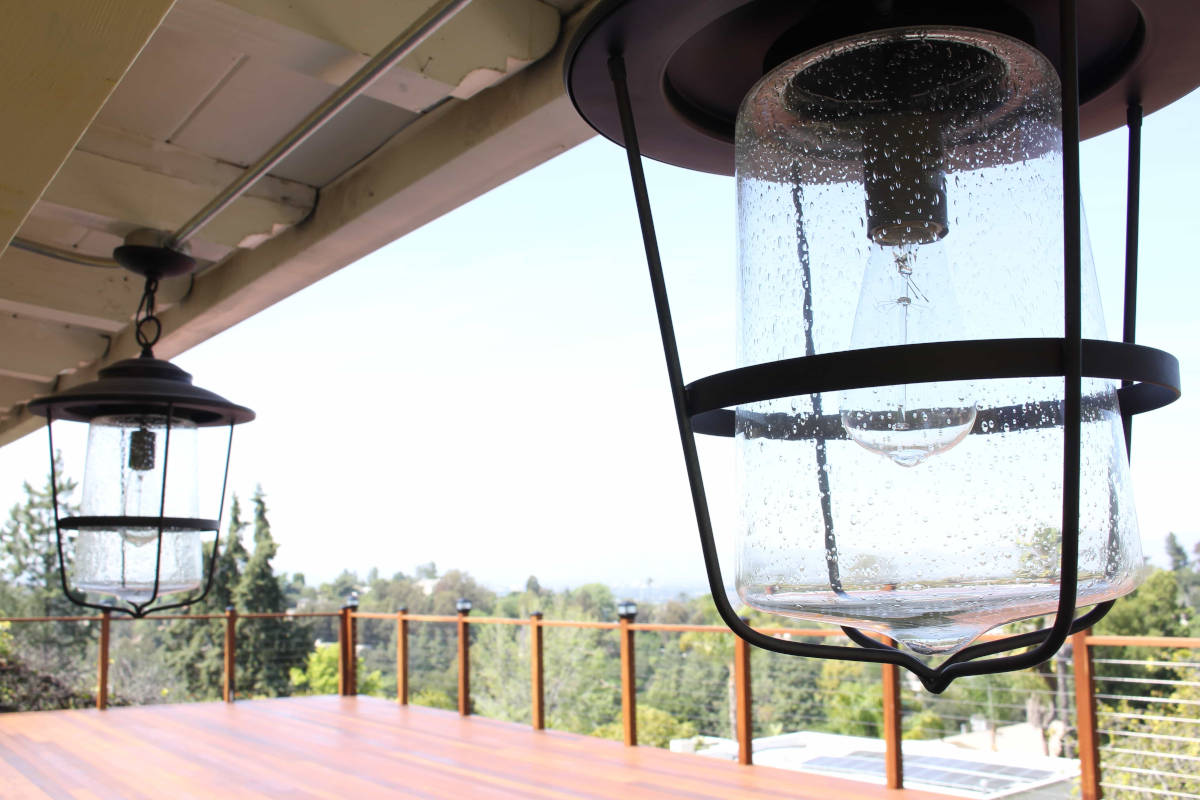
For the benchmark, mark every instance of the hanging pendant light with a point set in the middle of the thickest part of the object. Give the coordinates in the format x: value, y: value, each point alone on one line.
x: 928, y: 420
x: 868, y: 147
x: 139, y: 533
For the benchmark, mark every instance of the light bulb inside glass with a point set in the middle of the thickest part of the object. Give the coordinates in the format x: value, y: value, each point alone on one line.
x: 907, y: 297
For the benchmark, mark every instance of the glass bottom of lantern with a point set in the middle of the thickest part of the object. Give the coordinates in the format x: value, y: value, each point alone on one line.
x: 927, y: 620
x: 136, y: 593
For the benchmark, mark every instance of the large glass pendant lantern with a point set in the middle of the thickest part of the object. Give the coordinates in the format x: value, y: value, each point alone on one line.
x: 902, y: 187
x: 143, y: 519
x: 931, y: 427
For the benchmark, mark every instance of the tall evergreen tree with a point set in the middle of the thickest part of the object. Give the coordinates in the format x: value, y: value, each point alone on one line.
x: 196, y: 649
x: 29, y: 552
x: 267, y: 648
x: 31, y: 585
x: 1176, y: 554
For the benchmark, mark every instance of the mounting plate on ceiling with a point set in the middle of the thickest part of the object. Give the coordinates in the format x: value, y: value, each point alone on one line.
x: 689, y: 64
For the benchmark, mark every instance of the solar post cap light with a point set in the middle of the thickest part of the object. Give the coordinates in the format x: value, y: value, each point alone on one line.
x: 930, y: 426
x: 462, y: 605
x: 138, y: 534
x: 627, y: 609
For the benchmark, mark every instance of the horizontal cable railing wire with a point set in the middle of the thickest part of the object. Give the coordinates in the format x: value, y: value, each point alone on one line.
x: 1148, y: 719
x: 278, y: 656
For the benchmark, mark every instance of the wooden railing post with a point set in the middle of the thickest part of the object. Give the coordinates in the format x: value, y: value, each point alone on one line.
x: 1085, y: 718
x: 352, y: 651
x: 343, y: 649
x: 741, y: 689
x: 892, y: 730
x: 402, y: 657
x: 229, y: 689
x: 464, y: 664
x: 537, y: 693
x: 628, y: 680
x: 102, y: 665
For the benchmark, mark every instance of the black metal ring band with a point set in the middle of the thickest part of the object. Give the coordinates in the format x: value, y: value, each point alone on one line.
x: 1156, y: 374
x: 151, y: 523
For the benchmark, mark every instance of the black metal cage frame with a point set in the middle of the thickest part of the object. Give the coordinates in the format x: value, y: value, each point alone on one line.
x: 1150, y: 379
x: 143, y: 386
x: 161, y: 522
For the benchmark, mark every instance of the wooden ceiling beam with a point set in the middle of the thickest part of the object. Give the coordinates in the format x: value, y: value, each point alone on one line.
x: 54, y: 291
x: 39, y: 351
x: 13, y: 393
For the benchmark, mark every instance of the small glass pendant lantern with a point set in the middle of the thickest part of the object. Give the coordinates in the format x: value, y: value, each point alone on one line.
x: 931, y: 428
x: 139, y: 534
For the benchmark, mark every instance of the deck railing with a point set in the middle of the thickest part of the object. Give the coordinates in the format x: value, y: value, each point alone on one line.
x: 1092, y: 723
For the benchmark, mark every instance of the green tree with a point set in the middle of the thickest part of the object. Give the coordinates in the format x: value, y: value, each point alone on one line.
x: 268, y: 648
x: 195, y: 649
x: 31, y: 584
x: 1176, y: 555
x: 853, y: 696
x: 1187, y: 573
x: 655, y: 727
x: 320, y: 674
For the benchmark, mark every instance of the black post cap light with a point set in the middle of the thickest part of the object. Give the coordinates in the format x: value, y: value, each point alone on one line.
x: 929, y: 422
x: 137, y: 536
x: 627, y: 609
x: 462, y: 605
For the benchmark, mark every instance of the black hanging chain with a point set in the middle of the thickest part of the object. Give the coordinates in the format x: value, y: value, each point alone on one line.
x: 147, y: 326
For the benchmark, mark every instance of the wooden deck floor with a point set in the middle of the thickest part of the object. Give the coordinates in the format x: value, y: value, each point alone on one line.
x: 334, y: 747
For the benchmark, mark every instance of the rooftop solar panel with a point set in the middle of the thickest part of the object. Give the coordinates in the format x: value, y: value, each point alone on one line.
x: 977, y: 777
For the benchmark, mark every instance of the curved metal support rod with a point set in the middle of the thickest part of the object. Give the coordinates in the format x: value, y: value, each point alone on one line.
x: 1132, y: 208
x: 398, y: 48
x: 62, y: 254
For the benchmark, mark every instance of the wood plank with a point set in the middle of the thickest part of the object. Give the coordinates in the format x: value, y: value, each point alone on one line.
x: 484, y: 44
x: 61, y: 61
x: 38, y: 350
x: 107, y: 193
x: 364, y: 747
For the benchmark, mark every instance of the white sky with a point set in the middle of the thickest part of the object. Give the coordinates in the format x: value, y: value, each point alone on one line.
x: 489, y: 392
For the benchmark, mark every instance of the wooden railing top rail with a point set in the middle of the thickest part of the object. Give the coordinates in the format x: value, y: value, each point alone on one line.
x: 1179, y: 642
x: 285, y: 614
x: 1093, y: 640
x: 124, y: 618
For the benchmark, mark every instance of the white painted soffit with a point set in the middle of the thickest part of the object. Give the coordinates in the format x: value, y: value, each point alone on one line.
x: 436, y: 162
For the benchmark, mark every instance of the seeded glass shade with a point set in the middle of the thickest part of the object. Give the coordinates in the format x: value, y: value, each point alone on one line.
x: 123, y: 476
x: 905, y: 187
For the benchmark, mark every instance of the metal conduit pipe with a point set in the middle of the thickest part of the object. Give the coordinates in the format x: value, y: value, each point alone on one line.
x: 403, y: 45
x: 62, y: 254
x: 398, y: 48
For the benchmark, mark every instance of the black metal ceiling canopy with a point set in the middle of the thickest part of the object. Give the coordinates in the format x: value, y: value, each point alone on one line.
x: 689, y: 63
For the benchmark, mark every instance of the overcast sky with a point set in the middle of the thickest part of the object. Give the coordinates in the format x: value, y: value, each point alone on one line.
x: 488, y: 393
